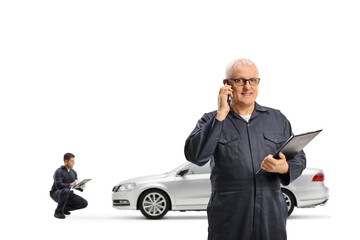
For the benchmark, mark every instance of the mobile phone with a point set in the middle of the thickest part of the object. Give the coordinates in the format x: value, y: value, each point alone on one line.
x: 228, y: 96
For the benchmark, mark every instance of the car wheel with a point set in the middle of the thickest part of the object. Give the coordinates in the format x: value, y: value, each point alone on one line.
x: 154, y: 204
x: 289, y: 199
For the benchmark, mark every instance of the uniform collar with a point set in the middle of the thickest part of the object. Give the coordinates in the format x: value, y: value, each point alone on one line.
x: 260, y: 108
x: 64, y: 168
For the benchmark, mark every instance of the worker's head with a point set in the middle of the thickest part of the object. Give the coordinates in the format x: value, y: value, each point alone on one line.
x: 243, y: 76
x: 69, y: 160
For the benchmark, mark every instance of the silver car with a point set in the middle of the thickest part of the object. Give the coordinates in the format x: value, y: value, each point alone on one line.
x: 188, y: 188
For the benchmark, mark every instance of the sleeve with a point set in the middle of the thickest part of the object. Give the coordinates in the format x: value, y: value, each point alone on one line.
x: 59, y: 182
x: 296, y: 165
x: 202, y: 142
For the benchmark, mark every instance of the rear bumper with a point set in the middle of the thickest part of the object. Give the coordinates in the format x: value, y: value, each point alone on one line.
x: 312, y: 197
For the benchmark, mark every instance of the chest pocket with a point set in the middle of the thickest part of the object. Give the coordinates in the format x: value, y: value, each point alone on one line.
x: 228, y: 138
x: 228, y: 146
x: 273, y: 141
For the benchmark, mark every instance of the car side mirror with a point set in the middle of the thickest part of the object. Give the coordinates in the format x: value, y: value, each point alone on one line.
x: 183, y: 171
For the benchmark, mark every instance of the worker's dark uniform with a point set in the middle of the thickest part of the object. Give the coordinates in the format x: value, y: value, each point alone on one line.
x: 60, y: 192
x: 243, y: 206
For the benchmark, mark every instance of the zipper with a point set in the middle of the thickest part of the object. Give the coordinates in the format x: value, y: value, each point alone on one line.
x: 252, y: 163
x: 69, y: 175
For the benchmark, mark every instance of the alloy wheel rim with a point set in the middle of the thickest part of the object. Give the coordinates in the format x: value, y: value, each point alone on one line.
x: 287, y: 200
x: 154, y: 204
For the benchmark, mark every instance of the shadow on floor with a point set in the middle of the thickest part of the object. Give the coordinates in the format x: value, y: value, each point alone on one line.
x: 139, y: 217
x: 295, y: 217
x: 170, y: 217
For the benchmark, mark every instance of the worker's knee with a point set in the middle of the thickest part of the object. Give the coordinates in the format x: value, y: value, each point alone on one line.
x: 84, y: 203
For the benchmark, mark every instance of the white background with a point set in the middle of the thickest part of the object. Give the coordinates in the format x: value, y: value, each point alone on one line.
x: 121, y: 84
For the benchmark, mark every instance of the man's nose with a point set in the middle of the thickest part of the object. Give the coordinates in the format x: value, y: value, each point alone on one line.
x: 247, y: 85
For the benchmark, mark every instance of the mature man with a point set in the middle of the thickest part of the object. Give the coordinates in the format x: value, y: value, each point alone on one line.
x: 64, y: 179
x: 238, y: 139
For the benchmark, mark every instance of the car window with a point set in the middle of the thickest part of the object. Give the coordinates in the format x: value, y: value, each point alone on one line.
x: 194, y: 169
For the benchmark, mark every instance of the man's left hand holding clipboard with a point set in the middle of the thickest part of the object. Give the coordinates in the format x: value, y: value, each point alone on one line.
x: 276, y: 165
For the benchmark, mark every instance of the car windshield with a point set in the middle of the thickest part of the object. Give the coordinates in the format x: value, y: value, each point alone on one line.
x: 178, y: 167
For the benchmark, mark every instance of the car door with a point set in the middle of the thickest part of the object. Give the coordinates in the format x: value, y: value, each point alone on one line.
x: 192, y: 190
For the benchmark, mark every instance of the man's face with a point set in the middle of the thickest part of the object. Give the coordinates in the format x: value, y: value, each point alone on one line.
x: 244, y: 95
x: 70, y: 163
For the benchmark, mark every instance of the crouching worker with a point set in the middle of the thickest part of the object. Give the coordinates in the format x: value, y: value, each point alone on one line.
x: 64, y: 179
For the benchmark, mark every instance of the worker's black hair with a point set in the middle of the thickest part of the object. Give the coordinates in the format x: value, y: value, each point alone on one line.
x: 67, y: 156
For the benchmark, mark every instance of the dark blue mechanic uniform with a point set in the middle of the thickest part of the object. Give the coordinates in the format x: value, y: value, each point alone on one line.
x: 244, y: 206
x: 60, y: 192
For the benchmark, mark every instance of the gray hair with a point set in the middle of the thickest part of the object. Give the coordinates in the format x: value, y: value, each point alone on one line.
x: 239, y: 61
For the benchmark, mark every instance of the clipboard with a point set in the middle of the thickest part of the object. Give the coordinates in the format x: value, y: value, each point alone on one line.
x: 292, y: 146
x: 81, y: 183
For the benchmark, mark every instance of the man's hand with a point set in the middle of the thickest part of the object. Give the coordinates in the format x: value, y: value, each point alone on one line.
x: 223, y: 106
x: 271, y: 164
x: 74, y: 183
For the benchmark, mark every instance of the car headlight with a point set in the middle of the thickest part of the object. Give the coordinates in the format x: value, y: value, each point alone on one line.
x: 126, y: 187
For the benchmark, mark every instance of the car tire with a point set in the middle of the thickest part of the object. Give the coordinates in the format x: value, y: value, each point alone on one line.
x: 289, y: 199
x: 154, y: 204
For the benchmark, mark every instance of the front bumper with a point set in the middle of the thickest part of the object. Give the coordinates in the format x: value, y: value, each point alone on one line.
x: 124, y: 200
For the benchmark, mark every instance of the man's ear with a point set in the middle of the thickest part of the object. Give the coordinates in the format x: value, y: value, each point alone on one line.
x: 225, y: 81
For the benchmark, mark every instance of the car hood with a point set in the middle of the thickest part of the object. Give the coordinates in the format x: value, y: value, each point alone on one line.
x: 145, y: 178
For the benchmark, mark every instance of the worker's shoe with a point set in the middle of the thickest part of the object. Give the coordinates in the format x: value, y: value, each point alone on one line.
x: 59, y: 214
x: 66, y: 212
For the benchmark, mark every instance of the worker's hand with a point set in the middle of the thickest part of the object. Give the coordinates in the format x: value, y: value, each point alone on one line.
x: 273, y: 165
x: 74, y: 183
x: 223, y: 106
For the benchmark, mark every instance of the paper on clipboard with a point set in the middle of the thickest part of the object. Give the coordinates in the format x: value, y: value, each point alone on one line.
x: 81, y: 183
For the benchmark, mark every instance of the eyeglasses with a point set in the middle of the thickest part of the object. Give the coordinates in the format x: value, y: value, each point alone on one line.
x: 242, y: 81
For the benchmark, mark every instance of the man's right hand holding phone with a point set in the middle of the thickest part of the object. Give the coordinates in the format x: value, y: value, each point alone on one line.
x: 223, y: 106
